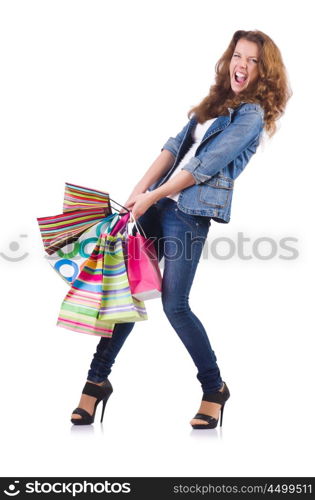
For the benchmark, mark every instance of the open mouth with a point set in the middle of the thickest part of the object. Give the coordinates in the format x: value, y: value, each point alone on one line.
x: 240, y: 78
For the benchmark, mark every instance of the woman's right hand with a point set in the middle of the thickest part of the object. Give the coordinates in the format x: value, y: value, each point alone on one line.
x: 128, y: 204
x: 130, y: 201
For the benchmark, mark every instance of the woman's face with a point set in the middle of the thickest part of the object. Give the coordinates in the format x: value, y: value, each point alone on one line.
x: 244, y: 65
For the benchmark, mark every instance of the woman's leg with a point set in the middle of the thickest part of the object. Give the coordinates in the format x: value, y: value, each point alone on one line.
x: 183, y: 239
x: 108, y: 347
x: 106, y: 352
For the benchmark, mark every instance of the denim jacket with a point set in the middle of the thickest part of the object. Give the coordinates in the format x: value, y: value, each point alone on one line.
x: 222, y: 155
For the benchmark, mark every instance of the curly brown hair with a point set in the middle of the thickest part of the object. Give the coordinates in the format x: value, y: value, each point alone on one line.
x: 271, y: 91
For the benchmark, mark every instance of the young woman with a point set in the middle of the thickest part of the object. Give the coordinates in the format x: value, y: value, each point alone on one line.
x: 190, y: 183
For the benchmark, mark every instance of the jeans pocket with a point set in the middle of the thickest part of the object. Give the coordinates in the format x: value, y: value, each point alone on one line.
x: 197, y: 223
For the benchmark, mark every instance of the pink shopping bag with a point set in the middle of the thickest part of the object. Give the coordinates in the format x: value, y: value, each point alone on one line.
x: 143, y: 271
x: 141, y: 261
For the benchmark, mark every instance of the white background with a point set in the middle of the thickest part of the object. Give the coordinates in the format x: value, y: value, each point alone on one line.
x: 90, y: 91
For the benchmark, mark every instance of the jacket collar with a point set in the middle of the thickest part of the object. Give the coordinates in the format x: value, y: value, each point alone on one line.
x: 218, y: 125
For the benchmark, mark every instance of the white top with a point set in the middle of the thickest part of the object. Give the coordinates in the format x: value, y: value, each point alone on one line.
x: 197, y: 135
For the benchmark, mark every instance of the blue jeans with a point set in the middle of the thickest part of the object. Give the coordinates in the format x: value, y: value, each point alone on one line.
x: 180, y: 238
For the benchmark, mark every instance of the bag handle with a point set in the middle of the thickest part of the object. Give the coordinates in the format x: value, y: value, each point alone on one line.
x: 112, y: 220
x: 123, y: 222
x: 136, y: 224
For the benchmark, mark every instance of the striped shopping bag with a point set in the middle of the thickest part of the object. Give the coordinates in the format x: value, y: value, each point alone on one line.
x: 82, y: 198
x: 100, y: 296
x: 60, y: 230
x: 117, y: 303
x: 82, y: 208
x: 69, y: 260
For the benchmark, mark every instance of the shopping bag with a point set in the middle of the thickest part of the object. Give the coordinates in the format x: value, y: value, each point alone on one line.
x: 100, y: 296
x: 80, y: 307
x: 82, y: 207
x: 94, y: 266
x: 144, y: 274
x: 63, y: 229
x: 118, y: 304
x: 83, y: 198
x: 69, y: 260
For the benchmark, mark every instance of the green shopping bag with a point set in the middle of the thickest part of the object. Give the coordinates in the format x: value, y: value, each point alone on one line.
x: 100, y: 295
x: 117, y: 303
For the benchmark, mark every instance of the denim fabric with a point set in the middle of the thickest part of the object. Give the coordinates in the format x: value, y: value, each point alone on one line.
x: 222, y: 155
x: 179, y: 238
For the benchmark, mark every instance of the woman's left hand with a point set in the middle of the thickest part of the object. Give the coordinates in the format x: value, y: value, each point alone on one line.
x: 142, y: 202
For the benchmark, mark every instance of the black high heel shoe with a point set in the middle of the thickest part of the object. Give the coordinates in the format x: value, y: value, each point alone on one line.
x: 219, y: 397
x: 101, y: 393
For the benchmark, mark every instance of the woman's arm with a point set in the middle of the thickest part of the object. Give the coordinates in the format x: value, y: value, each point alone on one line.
x: 181, y: 180
x: 144, y: 200
x: 159, y: 167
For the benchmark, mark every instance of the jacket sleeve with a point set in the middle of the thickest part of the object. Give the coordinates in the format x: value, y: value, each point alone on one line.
x: 227, y: 145
x: 173, y: 143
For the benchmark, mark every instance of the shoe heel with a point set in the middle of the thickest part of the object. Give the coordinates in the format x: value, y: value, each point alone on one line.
x: 103, y: 409
x: 221, y: 415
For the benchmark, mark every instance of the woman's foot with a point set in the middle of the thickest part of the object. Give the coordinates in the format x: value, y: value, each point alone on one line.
x: 87, y: 402
x: 212, y: 409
